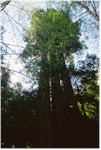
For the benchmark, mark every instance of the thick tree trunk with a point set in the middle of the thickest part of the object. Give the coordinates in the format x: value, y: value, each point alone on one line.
x: 63, y: 98
x: 44, y: 106
x: 67, y: 86
x: 57, y: 114
x: 59, y: 106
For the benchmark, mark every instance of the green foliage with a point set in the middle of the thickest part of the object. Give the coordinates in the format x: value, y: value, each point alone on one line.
x: 52, y: 32
x: 88, y: 86
x: 91, y: 111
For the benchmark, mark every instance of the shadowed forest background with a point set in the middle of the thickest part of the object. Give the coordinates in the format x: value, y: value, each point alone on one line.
x: 60, y: 106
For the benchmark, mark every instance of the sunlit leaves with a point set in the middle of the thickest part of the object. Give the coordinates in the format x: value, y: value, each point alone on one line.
x: 88, y: 86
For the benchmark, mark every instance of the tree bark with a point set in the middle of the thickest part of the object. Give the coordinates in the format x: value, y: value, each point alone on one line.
x: 44, y: 106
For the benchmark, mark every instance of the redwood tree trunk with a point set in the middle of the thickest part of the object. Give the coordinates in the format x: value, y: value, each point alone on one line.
x: 44, y: 139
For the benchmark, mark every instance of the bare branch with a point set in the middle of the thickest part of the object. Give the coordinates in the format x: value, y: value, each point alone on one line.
x: 13, y: 45
x: 12, y: 27
x: 11, y: 54
x: 20, y: 73
x: 94, y: 7
x: 88, y: 10
x: 17, y: 7
x: 82, y: 14
x: 14, y: 52
x: 4, y: 4
x: 15, y: 21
